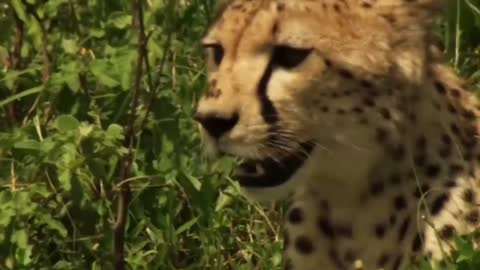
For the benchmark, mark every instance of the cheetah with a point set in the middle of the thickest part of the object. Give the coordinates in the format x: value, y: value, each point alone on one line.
x: 348, y: 109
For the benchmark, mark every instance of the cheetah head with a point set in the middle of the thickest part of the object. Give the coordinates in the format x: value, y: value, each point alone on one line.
x: 289, y: 84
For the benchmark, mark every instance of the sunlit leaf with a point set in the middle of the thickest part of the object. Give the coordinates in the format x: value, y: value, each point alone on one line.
x: 66, y: 123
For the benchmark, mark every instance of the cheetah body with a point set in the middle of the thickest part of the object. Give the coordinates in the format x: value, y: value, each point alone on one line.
x: 348, y: 109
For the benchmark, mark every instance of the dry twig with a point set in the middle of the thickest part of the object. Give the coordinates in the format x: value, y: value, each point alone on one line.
x: 124, y: 186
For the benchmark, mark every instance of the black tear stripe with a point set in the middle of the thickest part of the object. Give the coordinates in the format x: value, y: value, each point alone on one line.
x: 268, y: 111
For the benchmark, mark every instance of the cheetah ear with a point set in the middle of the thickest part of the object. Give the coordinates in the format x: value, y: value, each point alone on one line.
x: 411, y: 22
x: 420, y: 12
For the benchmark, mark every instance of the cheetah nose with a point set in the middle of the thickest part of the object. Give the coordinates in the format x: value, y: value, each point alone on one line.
x: 215, y: 124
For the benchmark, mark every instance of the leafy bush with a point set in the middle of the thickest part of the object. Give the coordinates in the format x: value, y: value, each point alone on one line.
x: 70, y: 150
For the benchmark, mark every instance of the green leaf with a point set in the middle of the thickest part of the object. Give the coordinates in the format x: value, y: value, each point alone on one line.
x: 23, y: 251
x: 97, y: 32
x: 20, y: 238
x: 120, y: 20
x: 186, y: 225
x: 19, y: 9
x: 70, y: 46
x: 66, y: 123
x: 194, y: 181
x: 65, y: 177
x: 73, y: 82
x: 54, y: 225
x: 115, y: 131
x: 20, y: 95
x: 86, y: 130
x: 224, y: 199
x: 53, y: 6
x: 28, y: 145
x: 100, y: 70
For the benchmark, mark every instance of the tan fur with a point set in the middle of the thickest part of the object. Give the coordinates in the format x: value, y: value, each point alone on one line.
x: 372, y: 70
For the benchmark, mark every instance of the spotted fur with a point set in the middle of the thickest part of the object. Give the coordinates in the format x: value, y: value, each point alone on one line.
x: 348, y: 108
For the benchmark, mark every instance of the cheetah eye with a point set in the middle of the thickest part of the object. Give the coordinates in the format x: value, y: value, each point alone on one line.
x: 289, y: 57
x: 218, y: 52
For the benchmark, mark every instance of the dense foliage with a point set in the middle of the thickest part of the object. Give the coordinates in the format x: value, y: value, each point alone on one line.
x: 71, y: 149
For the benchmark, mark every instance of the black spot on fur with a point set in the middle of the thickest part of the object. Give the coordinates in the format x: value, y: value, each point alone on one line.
x: 446, y: 139
x: 296, y: 215
x: 337, y: 8
x: 397, y: 263
x: 399, y: 202
x: 450, y: 184
x: 447, y: 232
x: 357, y: 110
x: 403, y: 228
x: 421, y: 143
x: 445, y: 151
x: 417, y: 243
x: 304, y: 245
x: 420, y: 160
x: 454, y: 128
x: 377, y: 187
x: 326, y: 227
x: 325, y: 206
x: 366, y: 5
x: 469, y: 115
x: 472, y: 217
x: 366, y: 84
x: 440, y: 88
x: 392, y: 219
x: 345, y: 74
x: 451, y: 108
x: 438, y: 203
x: 455, y: 93
x: 469, y: 196
x: 381, y: 135
x: 398, y: 153
x: 369, y: 102
x: 419, y: 191
x: 432, y: 170
x: 385, y: 113
x: 380, y: 230
x: 395, y: 179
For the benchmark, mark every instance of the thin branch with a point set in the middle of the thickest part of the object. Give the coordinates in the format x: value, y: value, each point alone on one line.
x: 154, y: 93
x: 124, y: 186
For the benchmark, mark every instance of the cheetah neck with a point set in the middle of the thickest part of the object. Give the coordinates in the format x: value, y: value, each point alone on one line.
x: 355, y: 201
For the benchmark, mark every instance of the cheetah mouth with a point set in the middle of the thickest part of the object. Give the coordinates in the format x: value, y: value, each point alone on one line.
x: 271, y: 172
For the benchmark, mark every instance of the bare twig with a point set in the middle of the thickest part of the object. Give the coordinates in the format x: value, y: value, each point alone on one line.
x: 124, y: 186
x: 149, y: 78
